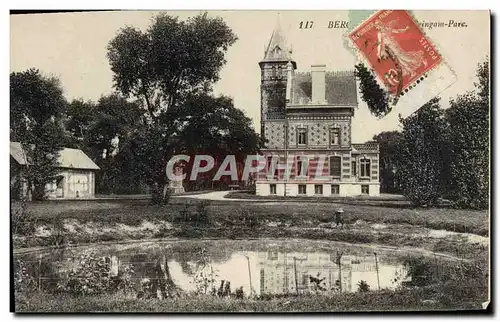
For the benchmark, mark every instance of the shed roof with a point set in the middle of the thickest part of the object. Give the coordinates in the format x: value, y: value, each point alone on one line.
x: 68, y: 158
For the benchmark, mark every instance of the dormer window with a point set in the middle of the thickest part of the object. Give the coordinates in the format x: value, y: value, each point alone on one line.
x: 277, y: 51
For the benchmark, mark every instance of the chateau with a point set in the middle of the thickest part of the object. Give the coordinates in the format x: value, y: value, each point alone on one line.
x: 306, y: 118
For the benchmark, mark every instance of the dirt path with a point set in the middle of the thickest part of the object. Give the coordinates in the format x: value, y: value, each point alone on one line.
x: 215, y: 195
x: 221, y: 196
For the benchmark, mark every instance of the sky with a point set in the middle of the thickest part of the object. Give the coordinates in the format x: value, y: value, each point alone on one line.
x: 73, y: 46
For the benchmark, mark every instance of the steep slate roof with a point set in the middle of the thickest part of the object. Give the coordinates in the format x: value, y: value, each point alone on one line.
x: 340, y: 88
x: 68, y: 158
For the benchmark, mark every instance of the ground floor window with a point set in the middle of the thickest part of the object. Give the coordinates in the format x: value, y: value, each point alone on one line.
x: 335, y: 189
x: 318, y: 189
x: 365, y: 168
x: 335, y: 166
x: 365, y: 189
x: 302, y: 189
x: 272, y: 189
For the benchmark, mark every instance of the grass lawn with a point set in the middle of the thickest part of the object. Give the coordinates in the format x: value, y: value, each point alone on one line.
x: 76, y: 222
x: 436, y: 297
x: 133, y: 212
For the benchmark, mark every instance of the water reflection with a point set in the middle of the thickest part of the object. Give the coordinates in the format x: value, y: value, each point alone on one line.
x: 323, y: 272
x: 270, y: 272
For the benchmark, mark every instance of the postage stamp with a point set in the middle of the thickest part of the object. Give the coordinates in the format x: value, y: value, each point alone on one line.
x: 396, y: 48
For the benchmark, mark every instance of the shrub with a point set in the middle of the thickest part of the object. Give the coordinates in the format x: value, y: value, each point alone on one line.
x: 23, y: 222
x: 202, y: 213
x: 160, y: 195
x: 199, y: 218
x: 92, y: 276
x: 363, y: 286
x: 239, y: 294
x: 24, y: 283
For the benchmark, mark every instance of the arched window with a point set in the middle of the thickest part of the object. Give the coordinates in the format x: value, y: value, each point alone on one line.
x: 273, y: 72
x: 364, y: 165
x: 335, y: 166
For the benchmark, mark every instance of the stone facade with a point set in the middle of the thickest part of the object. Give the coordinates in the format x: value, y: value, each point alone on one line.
x: 310, y: 114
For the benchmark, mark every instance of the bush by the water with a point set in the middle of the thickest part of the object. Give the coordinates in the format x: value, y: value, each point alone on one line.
x: 92, y: 275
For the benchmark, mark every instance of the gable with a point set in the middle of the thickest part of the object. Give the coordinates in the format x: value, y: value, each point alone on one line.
x: 68, y: 158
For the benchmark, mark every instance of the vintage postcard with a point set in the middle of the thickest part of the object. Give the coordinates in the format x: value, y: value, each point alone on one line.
x: 197, y: 161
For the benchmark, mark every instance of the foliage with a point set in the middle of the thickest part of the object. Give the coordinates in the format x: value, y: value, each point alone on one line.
x: 23, y: 221
x: 421, y: 166
x: 79, y: 116
x: 457, y: 297
x: 483, y: 84
x: 102, y: 130
x: 171, y: 59
x: 205, y: 275
x: 275, y: 96
x: 203, y: 217
x: 446, y: 153
x: 36, y: 106
x: 170, y: 68
x: 318, y: 283
x: 24, y: 283
x: 363, y: 286
x: 375, y: 97
x: 92, y: 276
x: 214, y: 126
x: 389, y: 148
x: 200, y: 217
x: 239, y: 294
x: 468, y: 117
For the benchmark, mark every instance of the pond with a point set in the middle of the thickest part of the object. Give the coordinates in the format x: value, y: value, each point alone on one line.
x: 256, y: 266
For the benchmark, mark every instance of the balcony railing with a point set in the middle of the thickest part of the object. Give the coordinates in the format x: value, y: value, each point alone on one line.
x: 368, y: 146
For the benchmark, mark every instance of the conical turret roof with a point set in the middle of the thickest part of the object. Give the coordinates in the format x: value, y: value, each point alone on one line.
x: 277, y: 49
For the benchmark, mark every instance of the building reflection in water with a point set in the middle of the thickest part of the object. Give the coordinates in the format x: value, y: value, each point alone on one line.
x: 272, y: 272
x: 321, y: 272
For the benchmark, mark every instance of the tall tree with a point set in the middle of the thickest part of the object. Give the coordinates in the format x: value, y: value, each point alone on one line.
x: 212, y: 125
x: 101, y: 130
x: 375, y: 97
x: 389, y: 143
x: 421, y: 173
x: 468, y: 117
x: 170, y: 60
x: 36, y: 106
x: 163, y: 66
x: 114, y: 119
x: 79, y: 116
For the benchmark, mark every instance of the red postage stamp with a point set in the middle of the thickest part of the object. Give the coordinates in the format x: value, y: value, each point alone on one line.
x: 396, y: 49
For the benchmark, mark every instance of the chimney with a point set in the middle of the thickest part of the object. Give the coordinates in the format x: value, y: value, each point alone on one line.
x: 318, y: 84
